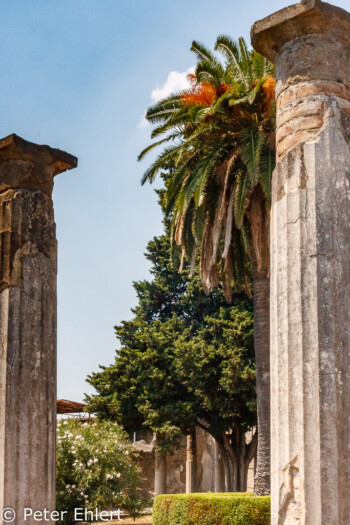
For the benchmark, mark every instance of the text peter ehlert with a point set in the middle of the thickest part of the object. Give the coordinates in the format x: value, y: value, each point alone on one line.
x: 80, y: 514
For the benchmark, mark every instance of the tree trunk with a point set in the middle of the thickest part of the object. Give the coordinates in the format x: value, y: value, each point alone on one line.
x: 261, y: 288
x: 259, y: 219
x: 239, y: 456
x: 225, y: 461
x: 220, y: 479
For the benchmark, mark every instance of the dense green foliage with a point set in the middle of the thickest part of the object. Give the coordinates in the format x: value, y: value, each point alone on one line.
x: 211, y: 509
x: 95, y: 468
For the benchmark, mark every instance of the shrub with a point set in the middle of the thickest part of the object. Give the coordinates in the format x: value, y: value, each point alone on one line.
x: 212, y: 509
x: 95, y: 468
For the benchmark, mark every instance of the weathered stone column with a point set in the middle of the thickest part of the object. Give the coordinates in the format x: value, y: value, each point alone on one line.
x: 310, y: 263
x: 191, y: 463
x: 159, y: 473
x: 28, y: 324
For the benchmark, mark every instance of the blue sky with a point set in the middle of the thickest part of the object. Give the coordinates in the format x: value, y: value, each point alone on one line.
x: 79, y: 75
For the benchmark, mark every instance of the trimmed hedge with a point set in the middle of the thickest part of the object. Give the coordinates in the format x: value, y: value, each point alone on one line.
x: 211, y: 509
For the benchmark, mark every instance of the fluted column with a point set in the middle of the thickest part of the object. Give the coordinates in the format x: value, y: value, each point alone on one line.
x: 310, y: 263
x: 28, y: 264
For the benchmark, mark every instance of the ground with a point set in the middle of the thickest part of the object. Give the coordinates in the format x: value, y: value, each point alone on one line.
x: 145, y: 520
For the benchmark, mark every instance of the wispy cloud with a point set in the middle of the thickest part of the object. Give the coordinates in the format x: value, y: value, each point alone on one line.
x: 176, y: 81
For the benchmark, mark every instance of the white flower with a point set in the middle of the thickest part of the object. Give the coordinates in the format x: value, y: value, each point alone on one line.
x: 67, y: 486
x: 95, y: 460
x: 118, y: 475
x: 90, y: 462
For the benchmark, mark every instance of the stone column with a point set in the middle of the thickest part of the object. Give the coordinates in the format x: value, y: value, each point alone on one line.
x: 159, y: 473
x: 191, y: 463
x: 28, y: 324
x: 310, y: 257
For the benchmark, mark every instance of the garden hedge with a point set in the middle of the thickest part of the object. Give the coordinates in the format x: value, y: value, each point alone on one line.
x: 211, y: 509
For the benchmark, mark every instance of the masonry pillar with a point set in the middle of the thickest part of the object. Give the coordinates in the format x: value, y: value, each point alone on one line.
x: 310, y: 263
x: 160, y: 473
x: 28, y: 324
x: 191, y: 463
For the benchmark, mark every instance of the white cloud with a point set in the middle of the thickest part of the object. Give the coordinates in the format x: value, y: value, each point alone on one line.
x: 176, y: 81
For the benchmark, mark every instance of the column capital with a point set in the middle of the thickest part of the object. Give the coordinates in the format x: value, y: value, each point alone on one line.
x: 24, y: 164
x: 305, y: 18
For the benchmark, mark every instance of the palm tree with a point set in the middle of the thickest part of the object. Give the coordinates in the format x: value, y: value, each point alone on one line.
x: 219, y: 143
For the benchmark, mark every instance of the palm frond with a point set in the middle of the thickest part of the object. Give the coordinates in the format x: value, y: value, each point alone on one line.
x: 244, y: 54
x: 267, y: 166
x: 251, y: 143
x: 250, y: 97
x: 160, y: 163
x: 208, y: 71
x: 163, y: 109
x: 201, y: 52
x: 231, y: 51
x: 156, y: 144
x: 178, y: 177
x: 198, y: 223
x: 198, y: 177
x: 179, y: 119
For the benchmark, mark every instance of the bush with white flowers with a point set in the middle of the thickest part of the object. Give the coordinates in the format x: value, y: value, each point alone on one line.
x: 95, y: 468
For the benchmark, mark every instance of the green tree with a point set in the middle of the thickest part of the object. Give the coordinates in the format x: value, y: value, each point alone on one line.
x: 219, y: 140
x: 154, y: 381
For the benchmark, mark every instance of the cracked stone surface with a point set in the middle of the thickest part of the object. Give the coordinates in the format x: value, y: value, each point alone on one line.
x: 310, y: 264
x: 28, y: 261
